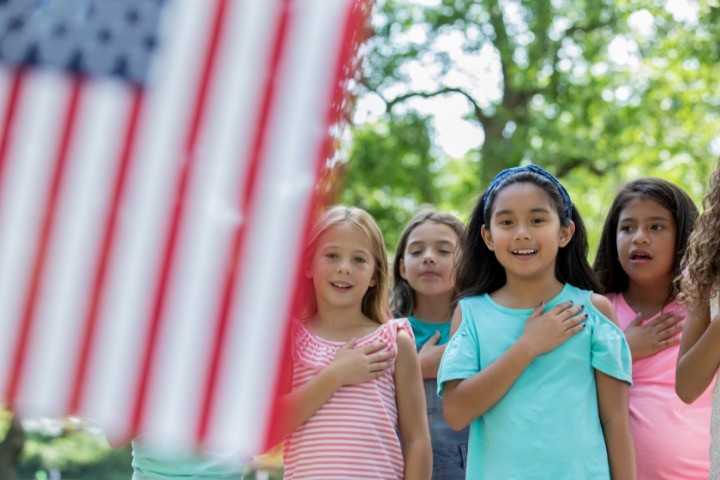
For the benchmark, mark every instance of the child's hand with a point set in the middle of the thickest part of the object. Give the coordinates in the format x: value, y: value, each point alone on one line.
x: 654, y: 336
x: 352, y: 365
x: 430, y: 355
x: 544, y: 331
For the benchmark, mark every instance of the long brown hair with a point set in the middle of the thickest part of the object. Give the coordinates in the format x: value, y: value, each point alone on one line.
x: 402, y: 302
x: 607, y: 266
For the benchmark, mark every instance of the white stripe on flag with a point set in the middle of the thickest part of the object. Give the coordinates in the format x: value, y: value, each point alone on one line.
x: 124, y: 315
x: 31, y: 155
x: 52, y: 352
x: 212, y: 215
x: 273, y: 252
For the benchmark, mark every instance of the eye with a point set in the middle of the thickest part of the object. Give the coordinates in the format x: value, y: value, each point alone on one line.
x: 445, y: 252
x: 538, y: 220
x: 415, y: 253
x: 657, y: 227
x: 505, y: 223
x: 331, y: 256
x: 625, y: 228
x: 360, y: 260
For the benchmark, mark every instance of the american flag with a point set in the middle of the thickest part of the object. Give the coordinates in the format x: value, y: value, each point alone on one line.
x: 158, y: 163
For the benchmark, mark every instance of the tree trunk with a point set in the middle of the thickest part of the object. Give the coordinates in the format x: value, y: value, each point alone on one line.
x: 10, y: 450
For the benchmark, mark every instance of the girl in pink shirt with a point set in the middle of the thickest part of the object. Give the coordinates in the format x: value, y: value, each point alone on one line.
x: 641, y: 246
x: 356, y: 408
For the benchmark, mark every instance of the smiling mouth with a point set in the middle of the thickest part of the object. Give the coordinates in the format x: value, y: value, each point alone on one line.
x: 640, y: 256
x: 341, y: 285
x: 524, y: 252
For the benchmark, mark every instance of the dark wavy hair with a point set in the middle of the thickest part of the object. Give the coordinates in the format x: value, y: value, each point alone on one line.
x: 607, y: 266
x: 402, y: 301
x: 480, y: 272
x: 610, y: 273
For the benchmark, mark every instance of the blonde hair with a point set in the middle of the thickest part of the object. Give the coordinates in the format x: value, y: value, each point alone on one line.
x: 701, y: 263
x: 375, y: 300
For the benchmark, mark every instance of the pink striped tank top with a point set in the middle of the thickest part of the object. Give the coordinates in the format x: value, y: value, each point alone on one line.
x: 354, y: 435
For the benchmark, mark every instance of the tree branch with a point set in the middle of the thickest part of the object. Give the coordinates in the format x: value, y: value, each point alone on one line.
x: 569, y: 164
x: 502, y: 44
x: 479, y: 114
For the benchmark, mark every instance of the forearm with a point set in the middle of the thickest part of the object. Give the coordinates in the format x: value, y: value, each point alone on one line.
x: 301, y: 404
x: 620, y: 449
x: 697, y: 367
x: 612, y: 395
x: 429, y: 368
x: 474, y: 396
x: 418, y: 459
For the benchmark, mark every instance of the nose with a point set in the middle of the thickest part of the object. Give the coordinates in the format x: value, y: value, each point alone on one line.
x: 428, y: 257
x: 641, y: 237
x: 522, y: 232
x: 343, y: 266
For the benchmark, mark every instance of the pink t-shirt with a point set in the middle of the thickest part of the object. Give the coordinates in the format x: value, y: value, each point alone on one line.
x: 355, y: 433
x: 672, y: 439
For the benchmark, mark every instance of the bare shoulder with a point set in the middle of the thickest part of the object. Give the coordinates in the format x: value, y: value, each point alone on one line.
x: 604, y: 306
x: 405, y: 343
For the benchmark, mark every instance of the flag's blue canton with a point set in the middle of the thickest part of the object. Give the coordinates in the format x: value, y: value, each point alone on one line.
x: 92, y: 37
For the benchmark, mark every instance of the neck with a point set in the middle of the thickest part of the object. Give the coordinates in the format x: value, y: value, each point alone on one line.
x: 436, y: 309
x: 647, y: 299
x: 334, y: 318
x: 527, y: 293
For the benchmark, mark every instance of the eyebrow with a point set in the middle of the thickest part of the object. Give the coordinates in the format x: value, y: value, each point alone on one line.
x: 418, y: 242
x: 335, y: 246
x: 534, y: 210
x: 654, y: 219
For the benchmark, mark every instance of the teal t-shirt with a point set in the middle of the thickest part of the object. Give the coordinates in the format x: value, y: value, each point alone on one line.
x: 154, y: 465
x: 547, y: 426
x: 424, y: 330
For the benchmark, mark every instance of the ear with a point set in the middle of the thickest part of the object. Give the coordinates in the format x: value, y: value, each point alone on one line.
x: 373, y: 280
x: 402, y: 269
x: 566, y: 234
x: 487, y: 237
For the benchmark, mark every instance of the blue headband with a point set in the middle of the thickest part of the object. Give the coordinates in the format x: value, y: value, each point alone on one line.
x: 509, y: 172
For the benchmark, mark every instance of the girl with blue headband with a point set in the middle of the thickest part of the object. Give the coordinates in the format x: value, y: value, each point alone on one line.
x: 537, y: 365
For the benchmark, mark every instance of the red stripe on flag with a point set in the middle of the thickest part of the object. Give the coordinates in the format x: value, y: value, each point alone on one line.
x: 178, y: 214
x: 8, y: 121
x: 47, y: 227
x: 354, y: 21
x: 247, y: 201
x: 107, y: 245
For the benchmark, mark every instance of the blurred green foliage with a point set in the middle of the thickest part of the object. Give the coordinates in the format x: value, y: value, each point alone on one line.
x: 598, y: 92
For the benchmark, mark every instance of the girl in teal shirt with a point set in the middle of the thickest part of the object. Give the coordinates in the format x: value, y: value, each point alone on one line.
x: 537, y: 365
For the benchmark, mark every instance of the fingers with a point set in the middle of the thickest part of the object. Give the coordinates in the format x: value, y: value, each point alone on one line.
x: 669, y: 342
x: 371, y: 347
x: 572, y: 314
x: 566, y: 310
x: 665, y: 320
x: 575, y: 323
x: 434, y: 339
x: 669, y: 332
x: 350, y: 344
x: 538, y: 310
x: 636, y: 321
x: 575, y: 327
x: 380, y: 357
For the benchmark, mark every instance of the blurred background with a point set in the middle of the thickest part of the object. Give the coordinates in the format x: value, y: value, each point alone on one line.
x: 448, y: 93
